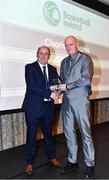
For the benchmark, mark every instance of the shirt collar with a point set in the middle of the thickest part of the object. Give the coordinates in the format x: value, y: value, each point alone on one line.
x: 73, y: 56
x: 41, y: 65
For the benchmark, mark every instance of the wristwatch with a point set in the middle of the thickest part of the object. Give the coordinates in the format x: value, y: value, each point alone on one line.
x: 67, y: 87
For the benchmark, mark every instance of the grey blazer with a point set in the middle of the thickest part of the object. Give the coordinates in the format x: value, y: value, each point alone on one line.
x: 77, y: 73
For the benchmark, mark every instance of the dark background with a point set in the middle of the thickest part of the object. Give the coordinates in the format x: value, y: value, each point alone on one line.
x: 96, y: 5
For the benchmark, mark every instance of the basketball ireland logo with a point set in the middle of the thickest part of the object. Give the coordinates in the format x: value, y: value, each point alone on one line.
x: 51, y: 13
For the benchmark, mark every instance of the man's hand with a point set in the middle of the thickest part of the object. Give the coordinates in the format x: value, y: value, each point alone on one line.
x: 62, y: 87
x: 54, y: 95
x: 53, y: 87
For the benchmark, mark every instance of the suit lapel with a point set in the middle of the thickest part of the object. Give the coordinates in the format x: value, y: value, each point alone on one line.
x: 50, y: 74
x: 38, y: 72
x: 75, y: 61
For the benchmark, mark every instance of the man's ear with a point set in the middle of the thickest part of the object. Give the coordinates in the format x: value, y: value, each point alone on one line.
x: 77, y: 44
x: 37, y: 55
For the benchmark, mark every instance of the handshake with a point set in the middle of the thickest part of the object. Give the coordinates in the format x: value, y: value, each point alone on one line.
x: 56, y: 90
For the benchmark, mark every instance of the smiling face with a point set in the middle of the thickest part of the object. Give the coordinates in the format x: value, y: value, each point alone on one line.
x: 43, y: 55
x: 71, y: 45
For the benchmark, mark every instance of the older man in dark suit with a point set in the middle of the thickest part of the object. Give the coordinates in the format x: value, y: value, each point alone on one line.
x: 39, y: 106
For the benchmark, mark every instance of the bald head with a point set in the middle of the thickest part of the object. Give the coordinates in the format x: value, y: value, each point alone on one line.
x: 70, y: 37
x: 71, y: 45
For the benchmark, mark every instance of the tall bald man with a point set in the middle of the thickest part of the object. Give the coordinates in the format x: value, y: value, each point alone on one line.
x: 76, y: 74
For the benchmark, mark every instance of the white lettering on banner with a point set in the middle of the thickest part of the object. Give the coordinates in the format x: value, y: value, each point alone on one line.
x: 55, y: 44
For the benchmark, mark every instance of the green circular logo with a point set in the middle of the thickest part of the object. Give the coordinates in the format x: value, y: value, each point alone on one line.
x: 51, y: 13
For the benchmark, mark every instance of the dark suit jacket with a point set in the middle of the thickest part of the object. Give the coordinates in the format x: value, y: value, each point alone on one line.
x: 35, y: 89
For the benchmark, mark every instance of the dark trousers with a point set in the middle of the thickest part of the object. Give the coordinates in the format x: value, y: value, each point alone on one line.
x: 45, y: 119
